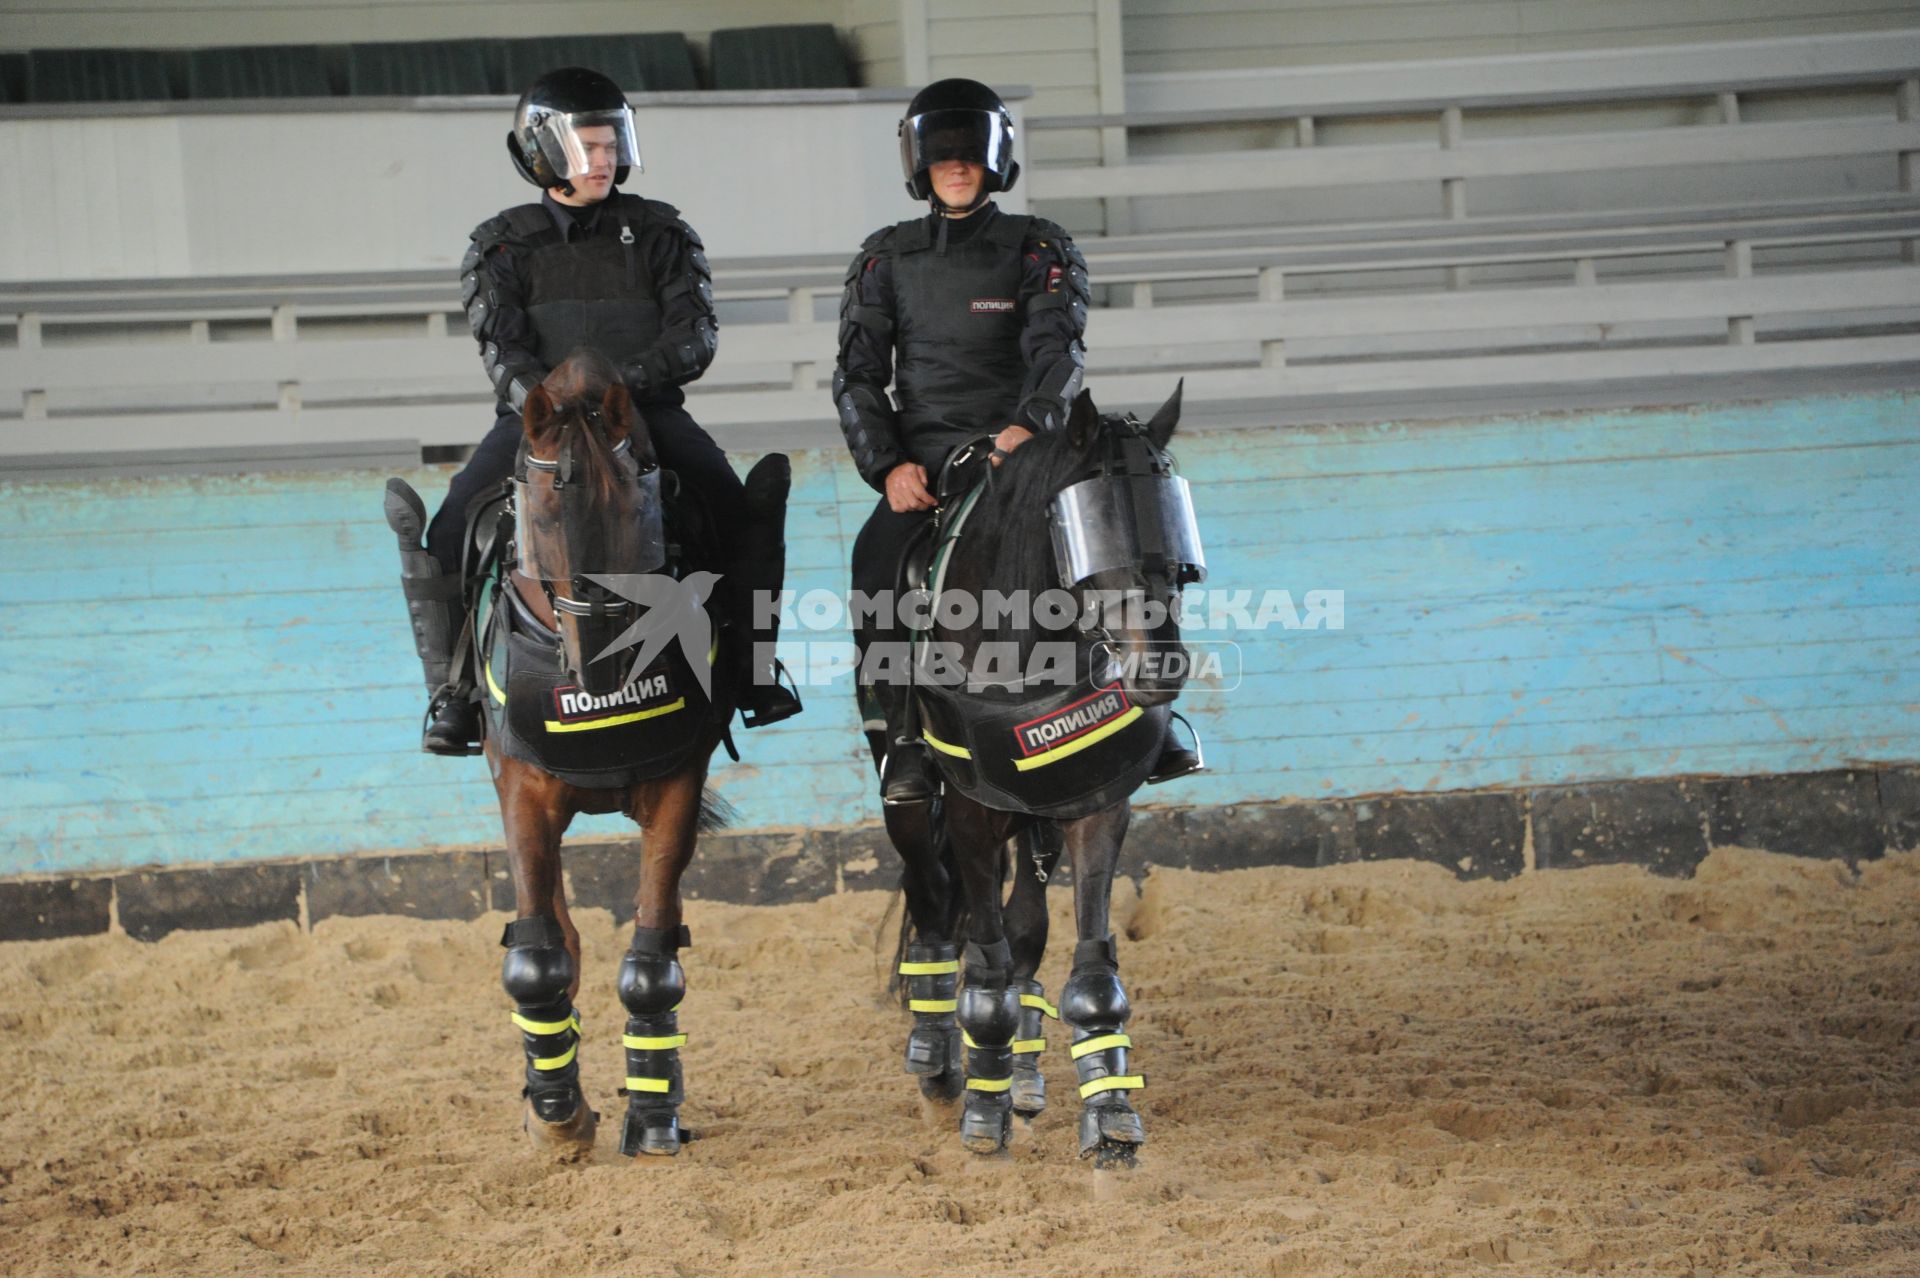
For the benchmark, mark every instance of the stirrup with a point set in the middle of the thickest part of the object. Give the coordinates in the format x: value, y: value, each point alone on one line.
x: 1176, y: 760
x: 779, y: 700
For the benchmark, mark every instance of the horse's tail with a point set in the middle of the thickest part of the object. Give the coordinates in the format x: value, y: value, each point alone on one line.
x: 715, y: 812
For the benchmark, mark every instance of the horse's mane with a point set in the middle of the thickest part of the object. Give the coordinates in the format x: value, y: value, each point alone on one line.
x: 1011, y: 547
x: 586, y: 381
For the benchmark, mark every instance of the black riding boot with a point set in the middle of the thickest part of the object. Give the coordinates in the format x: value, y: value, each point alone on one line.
x: 437, y: 611
x: 759, y: 571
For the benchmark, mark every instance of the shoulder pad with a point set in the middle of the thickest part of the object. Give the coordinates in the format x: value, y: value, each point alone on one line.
x: 513, y: 225
x: 655, y: 208
x: 663, y: 215
x: 1040, y: 230
x: 910, y: 236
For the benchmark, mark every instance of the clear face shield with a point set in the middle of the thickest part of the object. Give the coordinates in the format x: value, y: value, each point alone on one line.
x: 572, y: 142
x: 979, y: 137
x: 1124, y: 520
x: 564, y: 534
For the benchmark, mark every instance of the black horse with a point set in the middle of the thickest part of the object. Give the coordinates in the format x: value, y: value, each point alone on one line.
x: 600, y: 676
x: 1043, y: 719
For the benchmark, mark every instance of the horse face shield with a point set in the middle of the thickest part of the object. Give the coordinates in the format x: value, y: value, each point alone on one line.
x: 1134, y: 513
x: 566, y: 536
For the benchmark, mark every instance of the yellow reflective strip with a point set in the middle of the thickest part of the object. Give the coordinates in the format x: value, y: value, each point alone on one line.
x: 1114, y: 1083
x: 1029, y: 1046
x: 493, y: 687
x: 989, y: 1084
x: 554, y: 725
x: 958, y: 752
x: 640, y: 1044
x: 932, y: 1004
x: 662, y: 1085
x: 557, y: 1062
x: 576, y: 1022
x: 1078, y: 744
x: 930, y: 969
x: 1034, y: 1000
x: 1089, y: 1046
x: 967, y: 1039
x: 546, y: 1027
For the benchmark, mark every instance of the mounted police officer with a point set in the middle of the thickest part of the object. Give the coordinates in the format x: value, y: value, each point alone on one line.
x: 590, y: 266
x: 976, y: 318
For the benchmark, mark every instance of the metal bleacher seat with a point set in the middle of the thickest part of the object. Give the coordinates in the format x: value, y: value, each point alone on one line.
x: 656, y: 62
x: 803, y: 56
x: 97, y: 75
x: 262, y: 71
x: 420, y: 68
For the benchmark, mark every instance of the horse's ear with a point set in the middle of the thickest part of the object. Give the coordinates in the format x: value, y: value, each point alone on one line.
x: 1083, y: 421
x: 616, y: 410
x: 1160, y: 429
x: 537, y: 415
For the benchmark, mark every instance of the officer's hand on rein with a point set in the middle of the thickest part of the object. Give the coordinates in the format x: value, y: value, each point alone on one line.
x: 1008, y: 440
x: 907, y: 489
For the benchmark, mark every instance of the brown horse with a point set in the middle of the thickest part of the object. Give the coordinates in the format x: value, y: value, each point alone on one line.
x: 579, y: 721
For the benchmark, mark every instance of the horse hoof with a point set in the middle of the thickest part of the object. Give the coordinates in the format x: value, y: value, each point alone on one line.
x: 1029, y: 1093
x: 571, y: 1138
x: 944, y: 1087
x: 985, y: 1130
x: 655, y: 1134
x: 1116, y: 1156
x: 1105, y: 1130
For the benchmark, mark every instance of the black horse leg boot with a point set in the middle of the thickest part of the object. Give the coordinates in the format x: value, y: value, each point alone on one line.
x: 435, y: 607
x: 989, y: 1018
x: 1029, y: 1084
x: 536, y: 974
x: 759, y: 574
x: 1095, y: 1004
x: 652, y: 983
x: 932, y: 973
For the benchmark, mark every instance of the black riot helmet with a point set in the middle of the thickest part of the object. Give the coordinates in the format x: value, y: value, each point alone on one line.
x: 545, y: 142
x: 957, y: 120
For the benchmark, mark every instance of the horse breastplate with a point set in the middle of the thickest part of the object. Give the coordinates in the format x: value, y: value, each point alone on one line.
x: 1063, y: 754
x: 644, y: 731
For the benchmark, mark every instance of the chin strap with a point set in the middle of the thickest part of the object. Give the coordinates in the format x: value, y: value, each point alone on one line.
x: 946, y: 213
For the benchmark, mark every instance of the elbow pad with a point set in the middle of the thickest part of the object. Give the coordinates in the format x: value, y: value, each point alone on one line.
x: 1053, y: 393
x: 867, y: 421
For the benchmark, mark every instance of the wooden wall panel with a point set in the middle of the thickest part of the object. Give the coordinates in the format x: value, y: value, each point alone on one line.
x: 217, y: 669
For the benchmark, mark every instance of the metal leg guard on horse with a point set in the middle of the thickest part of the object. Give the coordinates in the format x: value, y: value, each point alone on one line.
x: 932, y: 973
x: 1029, y: 1084
x: 652, y: 983
x: 989, y: 1018
x: 536, y: 974
x: 1095, y: 1004
x: 436, y: 607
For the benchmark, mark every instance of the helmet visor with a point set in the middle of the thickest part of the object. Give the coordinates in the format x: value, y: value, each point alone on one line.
x: 978, y: 137
x: 574, y: 141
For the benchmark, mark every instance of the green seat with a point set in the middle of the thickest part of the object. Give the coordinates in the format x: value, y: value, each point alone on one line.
x: 655, y: 63
x: 97, y: 75
x: 419, y: 68
x: 260, y: 71
x: 804, y: 56
x: 13, y: 77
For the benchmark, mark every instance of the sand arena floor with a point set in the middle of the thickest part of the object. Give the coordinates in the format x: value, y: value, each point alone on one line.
x: 1367, y: 1070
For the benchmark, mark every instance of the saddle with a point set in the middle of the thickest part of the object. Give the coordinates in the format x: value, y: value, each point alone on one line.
x: 644, y: 731
x: 1060, y: 753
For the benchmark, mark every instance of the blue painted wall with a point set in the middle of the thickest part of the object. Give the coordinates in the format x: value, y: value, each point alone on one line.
x: 218, y: 668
